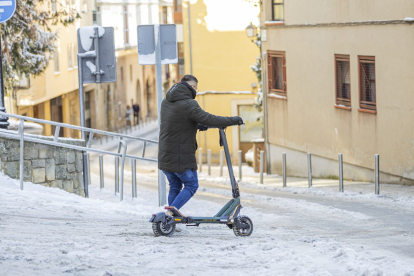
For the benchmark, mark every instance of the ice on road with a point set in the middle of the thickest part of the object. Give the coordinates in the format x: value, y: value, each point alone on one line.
x: 47, y: 231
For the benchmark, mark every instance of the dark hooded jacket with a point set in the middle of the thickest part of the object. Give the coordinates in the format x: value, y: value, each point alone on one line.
x: 180, y: 115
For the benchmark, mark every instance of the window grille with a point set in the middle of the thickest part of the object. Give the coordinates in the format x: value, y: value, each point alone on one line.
x: 368, y: 97
x: 276, y: 62
x: 343, y: 80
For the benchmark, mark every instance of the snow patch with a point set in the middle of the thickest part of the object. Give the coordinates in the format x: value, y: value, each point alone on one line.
x: 272, y: 95
x: 91, y: 66
x: 86, y: 36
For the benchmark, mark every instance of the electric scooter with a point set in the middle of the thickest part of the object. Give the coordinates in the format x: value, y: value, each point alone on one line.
x: 164, y: 225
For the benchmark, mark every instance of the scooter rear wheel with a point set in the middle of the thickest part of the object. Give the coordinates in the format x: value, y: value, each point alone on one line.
x: 161, y: 228
x: 243, y: 232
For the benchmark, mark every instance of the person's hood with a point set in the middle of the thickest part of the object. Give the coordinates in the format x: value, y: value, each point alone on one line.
x: 181, y: 91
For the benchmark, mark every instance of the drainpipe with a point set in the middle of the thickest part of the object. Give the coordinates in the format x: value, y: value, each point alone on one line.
x: 265, y: 114
x: 189, y: 36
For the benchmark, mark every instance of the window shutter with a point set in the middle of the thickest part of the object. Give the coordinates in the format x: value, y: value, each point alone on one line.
x: 276, y: 77
x: 367, y: 83
x: 342, y: 80
x: 269, y: 72
x: 284, y: 74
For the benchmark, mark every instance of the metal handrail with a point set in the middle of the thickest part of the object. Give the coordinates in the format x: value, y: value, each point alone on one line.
x: 85, y: 129
x: 121, y: 152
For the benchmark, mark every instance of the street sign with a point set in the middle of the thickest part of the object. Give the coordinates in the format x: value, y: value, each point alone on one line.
x: 97, y: 64
x: 96, y: 49
x: 148, y: 34
x: 7, y: 9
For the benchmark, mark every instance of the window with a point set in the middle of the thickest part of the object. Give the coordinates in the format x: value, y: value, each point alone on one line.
x: 75, y: 54
x: 149, y: 14
x: 367, y: 87
x: 343, y: 80
x: 96, y: 16
x: 88, y: 109
x: 130, y: 72
x: 122, y: 74
x: 53, y: 6
x: 276, y: 64
x: 167, y: 71
x: 56, y: 61
x: 126, y: 30
x: 177, y: 6
x: 180, y: 49
x: 181, y: 71
x: 85, y: 6
x: 138, y: 16
x: 120, y: 110
x: 164, y: 15
x: 70, y: 59
x: 278, y: 12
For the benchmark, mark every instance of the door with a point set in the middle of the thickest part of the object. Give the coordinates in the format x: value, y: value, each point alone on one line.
x: 252, y: 128
x: 56, y: 113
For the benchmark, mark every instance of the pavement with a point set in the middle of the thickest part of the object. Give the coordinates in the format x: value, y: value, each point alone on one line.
x: 298, y: 184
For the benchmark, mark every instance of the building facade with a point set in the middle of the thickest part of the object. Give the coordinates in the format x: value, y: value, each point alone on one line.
x: 338, y: 80
x: 54, y: 95
x: 135, y: 83
x: 213, y: 46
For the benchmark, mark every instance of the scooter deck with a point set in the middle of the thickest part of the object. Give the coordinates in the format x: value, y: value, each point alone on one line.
x: 224, y: 216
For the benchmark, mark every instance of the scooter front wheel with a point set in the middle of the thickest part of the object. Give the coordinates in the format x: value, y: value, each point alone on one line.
x: 243, y: 232
x: 161, y: 228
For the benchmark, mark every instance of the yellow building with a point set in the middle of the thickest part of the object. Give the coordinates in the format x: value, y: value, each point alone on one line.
x: 213, y: 46
x: 135, y: 83
x: 54, y: 94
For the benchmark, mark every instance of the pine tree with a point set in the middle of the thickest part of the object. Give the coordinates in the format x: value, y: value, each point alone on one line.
x: 28, y: 42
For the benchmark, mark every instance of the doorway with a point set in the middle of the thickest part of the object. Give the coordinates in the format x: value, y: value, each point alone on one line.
x: 56, y: 113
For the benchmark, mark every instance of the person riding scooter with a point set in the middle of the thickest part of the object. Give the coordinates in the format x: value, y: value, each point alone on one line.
x: 181, y: 117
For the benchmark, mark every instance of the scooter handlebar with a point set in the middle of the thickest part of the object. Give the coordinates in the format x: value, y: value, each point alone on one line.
x: 204, y: 128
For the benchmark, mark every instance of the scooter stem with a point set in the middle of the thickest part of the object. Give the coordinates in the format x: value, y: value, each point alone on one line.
x: 234, y: 185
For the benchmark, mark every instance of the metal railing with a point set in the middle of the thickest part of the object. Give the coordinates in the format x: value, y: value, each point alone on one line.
x: 121, y: 151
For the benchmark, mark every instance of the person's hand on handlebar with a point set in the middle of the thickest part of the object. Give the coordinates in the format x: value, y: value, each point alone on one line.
x: 239, y: 120
x: 202, y: 127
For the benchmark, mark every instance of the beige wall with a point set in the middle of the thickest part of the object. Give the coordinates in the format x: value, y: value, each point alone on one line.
x: 308, y: 121
x: 225, y: 104
x: 323, y: 11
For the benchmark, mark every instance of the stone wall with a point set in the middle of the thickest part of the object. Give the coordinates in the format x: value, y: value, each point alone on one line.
x: 43, y: 164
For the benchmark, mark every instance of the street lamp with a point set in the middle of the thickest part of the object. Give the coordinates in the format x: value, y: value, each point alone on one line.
x: 251, y: 30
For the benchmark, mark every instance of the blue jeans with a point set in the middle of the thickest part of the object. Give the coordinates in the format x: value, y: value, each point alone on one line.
x: 178, y: 196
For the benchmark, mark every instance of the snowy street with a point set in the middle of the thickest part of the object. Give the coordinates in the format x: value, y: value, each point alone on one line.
x: 47, y: 231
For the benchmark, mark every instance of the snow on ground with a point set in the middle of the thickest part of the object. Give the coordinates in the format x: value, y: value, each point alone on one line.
x: 47, y: 231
